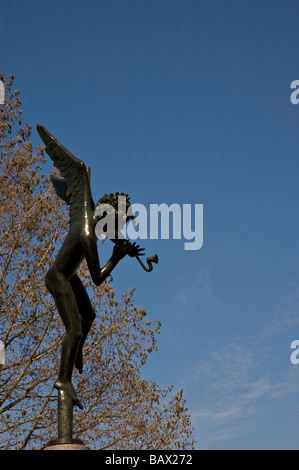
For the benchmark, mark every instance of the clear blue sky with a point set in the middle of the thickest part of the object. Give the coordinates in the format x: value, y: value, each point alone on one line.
x: 188, y: 102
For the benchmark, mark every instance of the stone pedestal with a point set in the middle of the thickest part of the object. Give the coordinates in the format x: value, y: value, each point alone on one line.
x: 66, y: 444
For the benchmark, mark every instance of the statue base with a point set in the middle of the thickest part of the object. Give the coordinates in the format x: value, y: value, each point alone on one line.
x: 66, y: 444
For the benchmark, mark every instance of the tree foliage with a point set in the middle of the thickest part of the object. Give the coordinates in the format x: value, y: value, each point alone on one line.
x: 122, y: 410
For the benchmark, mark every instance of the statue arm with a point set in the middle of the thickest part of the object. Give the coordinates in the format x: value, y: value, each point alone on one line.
x: 120, y: 250
x: 98, y: 274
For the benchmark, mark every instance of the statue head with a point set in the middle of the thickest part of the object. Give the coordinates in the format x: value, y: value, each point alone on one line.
x: 114, y: 207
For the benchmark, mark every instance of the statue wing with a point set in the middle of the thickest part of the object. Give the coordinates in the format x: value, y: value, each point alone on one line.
x: 61, y: 188
x: 74, y: 187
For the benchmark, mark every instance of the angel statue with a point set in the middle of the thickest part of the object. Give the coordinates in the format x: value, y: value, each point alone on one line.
x: 71, y: 298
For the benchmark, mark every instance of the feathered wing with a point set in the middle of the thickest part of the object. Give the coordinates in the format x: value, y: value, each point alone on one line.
x: 74, y: 188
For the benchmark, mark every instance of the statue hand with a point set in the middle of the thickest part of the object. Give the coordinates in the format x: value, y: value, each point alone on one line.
x: 127, y: 248
x: 134, y: 250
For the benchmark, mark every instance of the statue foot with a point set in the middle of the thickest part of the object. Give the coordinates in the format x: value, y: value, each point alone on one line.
x: 68, y: 389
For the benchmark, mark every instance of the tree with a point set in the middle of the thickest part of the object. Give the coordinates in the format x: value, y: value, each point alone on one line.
x: 122, y: 410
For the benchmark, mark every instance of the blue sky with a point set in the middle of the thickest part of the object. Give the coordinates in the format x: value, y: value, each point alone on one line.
x: 188, y: 102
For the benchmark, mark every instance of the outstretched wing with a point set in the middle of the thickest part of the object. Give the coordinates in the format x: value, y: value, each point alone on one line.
x: 74, y: 188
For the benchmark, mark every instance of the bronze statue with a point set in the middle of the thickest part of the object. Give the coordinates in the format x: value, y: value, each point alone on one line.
x: 71, y: 298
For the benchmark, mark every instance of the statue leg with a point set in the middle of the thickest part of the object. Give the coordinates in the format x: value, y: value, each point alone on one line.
x: 87, y: 315
x: 60, y: 288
